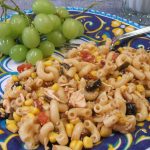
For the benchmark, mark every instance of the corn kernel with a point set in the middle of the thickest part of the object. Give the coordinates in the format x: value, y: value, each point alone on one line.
x: 73, y: 144
x: 148, y: 118
x: 16, y: 117
x: 35, y: 110
x: 78, y: 146
x: 55, y: 87
x: 52, y: 137
x: 124, y: 87
x: 19, y: 87
x: 2, y: 110
x: 120, y: 49
x: 95, y: 53
x: 15, y: 78
x: 48, y: 63
x: 51, y: 58
x: 57, y: 59
x: 76, y: 77
x: 140, y: 88
x: 10, y: 121
x: 87, y: 142
x: 94, y: 73
x: 98, y: 58
x: 105, y: 132
x: 119, y: 78
x: 69, y: 129
x: 75, y: 121
x: 33, y: 75
x: 28, y: 102
x: 30, y: 115
x: 12, y: 127
x: 1, y: 132
x: 141, y: 124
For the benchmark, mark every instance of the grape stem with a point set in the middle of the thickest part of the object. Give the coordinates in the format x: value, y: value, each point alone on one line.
x: 5, y: 13
x: 2, y: 13
x: 6, y: 7
x: 15, y: 4
x: 86, y: 9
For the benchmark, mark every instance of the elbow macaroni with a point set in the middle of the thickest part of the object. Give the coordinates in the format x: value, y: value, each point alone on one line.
x: 44, y: 132
x: 79, y: 112
x: 65, y: 102
x: 95, y: 135
x: 77, y: 131
x: 62, y: 138
x: 54, y: 111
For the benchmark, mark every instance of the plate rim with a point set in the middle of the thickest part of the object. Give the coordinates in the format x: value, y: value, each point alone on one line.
x: 105, y: 14
x: 93, y: 11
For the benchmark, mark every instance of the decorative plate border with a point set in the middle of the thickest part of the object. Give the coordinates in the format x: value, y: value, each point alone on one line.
x: 80, y: 9
x: 111, y: 16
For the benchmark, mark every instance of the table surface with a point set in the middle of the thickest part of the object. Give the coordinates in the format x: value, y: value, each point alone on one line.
x: 102, y: 5
x: 109, y: 6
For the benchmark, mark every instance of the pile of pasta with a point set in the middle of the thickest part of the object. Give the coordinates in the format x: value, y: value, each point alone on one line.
x: 76, y: 102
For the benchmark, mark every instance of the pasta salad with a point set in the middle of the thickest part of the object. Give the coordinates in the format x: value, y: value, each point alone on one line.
x: 76, y: 102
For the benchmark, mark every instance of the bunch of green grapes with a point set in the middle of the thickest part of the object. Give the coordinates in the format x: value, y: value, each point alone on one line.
x: 22, y: 39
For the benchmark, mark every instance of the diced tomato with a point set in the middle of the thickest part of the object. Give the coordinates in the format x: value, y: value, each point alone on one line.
x: 87, y: 56
x: 90, y: 77
x: 23, y: 67
x: 102, y: 63
x: 38, y: 104
x: 115, y: 55
x: 42, y: 117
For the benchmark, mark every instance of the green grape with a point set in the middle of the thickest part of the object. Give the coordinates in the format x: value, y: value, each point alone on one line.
x: 18, y: 53
x: 6, y: 44
x: 70, y: 28
x: 60, y: 29
x: 18, y: 23
x: 55, y: 20
x: 57, y: 38
x: 34, y: 55
x: 30, y: 37
x: 43, y: 24
x: 43, y: 6
x: 62, y: 12
x: 5, y: 29
x: 47, y: 48
x: 81, y: 28
x: 62, y: 20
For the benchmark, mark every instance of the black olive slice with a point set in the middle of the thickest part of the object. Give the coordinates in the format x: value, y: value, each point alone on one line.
x: 131, y: 109
x: 16, y: 84
x: 93, y: 86
x: 123, y: 66
x: 66, y: 66
x: 3, y: 115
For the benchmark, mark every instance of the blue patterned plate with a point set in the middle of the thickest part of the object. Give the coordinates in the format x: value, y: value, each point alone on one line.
x: 98, y: 26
